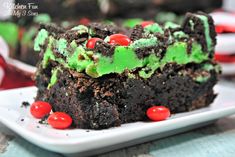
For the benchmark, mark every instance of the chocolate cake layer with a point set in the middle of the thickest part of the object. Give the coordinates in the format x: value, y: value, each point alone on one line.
x: 115, y: 99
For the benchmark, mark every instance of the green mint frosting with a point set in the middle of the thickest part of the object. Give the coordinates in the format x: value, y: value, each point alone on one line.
x: 152, y: 63
x: 171, y: 25
x: 178, y: 53
x: 209, y: 67
x: 61, y: 45
x: 119, y: 63
x: 144, y: 43
x: 180, y: 34
x: 191, y: 24
x: 123, y: 58
x: 80, y: 29
x: 54, y: 77
x: 40, y: 39
x: 132, y: 22
x: 79, y: 60
x: 48, y: 55
x: 207, y: 31
x: 154, y: 28
x: 201, y: 79
x: 9, y: 32
x: 42, y: 18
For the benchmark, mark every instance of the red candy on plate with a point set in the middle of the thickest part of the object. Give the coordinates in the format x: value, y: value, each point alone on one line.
x: 40, y: 108
x: 146, y: 23
x: 119, y: 39
x: 59, y: 120
x: 91, y: 42
x: 158, y: 113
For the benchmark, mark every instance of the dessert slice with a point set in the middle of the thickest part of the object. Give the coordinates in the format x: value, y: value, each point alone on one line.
x: 104, y: 75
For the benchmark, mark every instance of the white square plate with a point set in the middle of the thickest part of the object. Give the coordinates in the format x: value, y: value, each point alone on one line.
x: 87, y: 142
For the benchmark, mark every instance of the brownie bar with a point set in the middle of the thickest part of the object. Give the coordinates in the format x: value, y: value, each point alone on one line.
x: 110, y: 84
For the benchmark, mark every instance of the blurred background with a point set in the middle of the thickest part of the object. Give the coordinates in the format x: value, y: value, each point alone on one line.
x: 20, y: 20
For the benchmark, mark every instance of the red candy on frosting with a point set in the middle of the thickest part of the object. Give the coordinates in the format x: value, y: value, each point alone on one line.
x: 119, y: 39
x: 146, y: 23
x: 91, y: 42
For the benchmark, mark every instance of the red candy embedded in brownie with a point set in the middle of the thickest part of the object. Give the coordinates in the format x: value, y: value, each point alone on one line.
x: 91, y: 42
x: 158, y: 113
x: 59, y: 120
x: 40, y: 109
x: 146, y: 23
x: 119, y: 39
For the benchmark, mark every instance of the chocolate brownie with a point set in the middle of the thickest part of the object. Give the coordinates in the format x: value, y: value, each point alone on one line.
x: 117, y: 78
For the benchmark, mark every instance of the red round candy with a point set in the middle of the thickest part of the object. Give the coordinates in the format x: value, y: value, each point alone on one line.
x: 59, y: 120
x: 40, y: 108
x: 158, y: 113
x: 146, y: 23
x: 119, y: 39
x: 91, y: 42
x: 84, y: 21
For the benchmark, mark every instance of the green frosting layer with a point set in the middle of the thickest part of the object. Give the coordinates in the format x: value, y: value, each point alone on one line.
x: 171, y: 25
x: 153, y: 28
x: 9, y: 32
x: 201, y: 79
x: 207, y: 31
x: 175, y: 53
x: 40, y: 39
x: 151, y: 64
x: 209, y: 67
x: 191, y: 24
x: 124, y: 58
x: 132, y: 22
x: 178, y: 53
x: 42, y: 18
x: 61, y: 45
x: 54, y: 77
x: 48, y: 55
x: 79, y: 60
x: 180, y: 34
x: 80, y: 29
x: 144, y: 43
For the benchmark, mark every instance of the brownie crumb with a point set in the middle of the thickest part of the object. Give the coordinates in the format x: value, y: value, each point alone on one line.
x: 102, y: 30
x: 104, y: 48
x: 136, y: 33
x: 25, y: 104
x: 44, y: 119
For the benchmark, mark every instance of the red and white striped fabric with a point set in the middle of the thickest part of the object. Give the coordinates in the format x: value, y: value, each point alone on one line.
x: 12, y: 75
